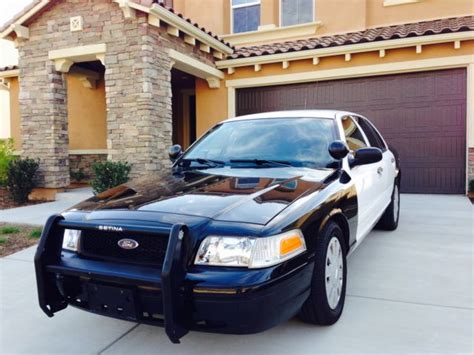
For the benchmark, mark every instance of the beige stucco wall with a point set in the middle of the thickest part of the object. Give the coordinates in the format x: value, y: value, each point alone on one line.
x: 87, y: 117
x: 15, y: 113
x: 336, y: 16
x: 379, y: 15
x: 214, y: 15
x: 211, y: 106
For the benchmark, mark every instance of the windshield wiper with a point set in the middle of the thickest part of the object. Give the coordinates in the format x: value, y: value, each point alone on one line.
x: 208, y: 163
x: 260, y: 162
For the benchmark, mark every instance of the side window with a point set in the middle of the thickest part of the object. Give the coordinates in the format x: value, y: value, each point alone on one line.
x: 295, y: 12
x: 245, y: 15
x: 372, y: 135
x: 354, y: 137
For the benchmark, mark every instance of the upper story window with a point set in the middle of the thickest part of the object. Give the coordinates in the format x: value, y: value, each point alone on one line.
x: 245, y: 15
x: 295, y: 12
x: 167, y: 3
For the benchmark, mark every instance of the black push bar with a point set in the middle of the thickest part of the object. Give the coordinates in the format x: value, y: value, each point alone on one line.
x: 173, y: 270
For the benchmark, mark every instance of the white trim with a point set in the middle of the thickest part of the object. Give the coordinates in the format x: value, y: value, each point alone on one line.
x: 387, y: 3
x: 265, y: 34
x: 10, y: 73
x: 66, y: 57
x: 353, y: 72
x: 280, y: 12
x: 195, y: 67
x: 87, y: 151
x: 231, y: 107
x: 342, y: 50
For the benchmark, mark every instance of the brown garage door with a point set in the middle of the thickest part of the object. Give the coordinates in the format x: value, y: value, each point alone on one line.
x: 422, y: 115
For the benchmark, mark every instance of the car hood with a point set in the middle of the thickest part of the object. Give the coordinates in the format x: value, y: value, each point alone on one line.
x: 235, y: 195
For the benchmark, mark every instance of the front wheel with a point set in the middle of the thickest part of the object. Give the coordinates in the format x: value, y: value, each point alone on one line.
x: 328, y: 287
x: 389, y: 220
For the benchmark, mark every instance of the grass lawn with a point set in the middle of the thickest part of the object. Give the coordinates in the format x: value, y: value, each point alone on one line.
x: 14, y: 238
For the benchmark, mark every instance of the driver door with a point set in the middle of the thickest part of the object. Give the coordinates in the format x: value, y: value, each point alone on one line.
x: 367, y: 179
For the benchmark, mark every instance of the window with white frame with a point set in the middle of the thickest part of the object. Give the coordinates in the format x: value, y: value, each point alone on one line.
x: 296, y: 12
x: 245, y: 15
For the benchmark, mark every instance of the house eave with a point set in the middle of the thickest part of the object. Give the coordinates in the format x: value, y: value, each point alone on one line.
x: 346, y: 50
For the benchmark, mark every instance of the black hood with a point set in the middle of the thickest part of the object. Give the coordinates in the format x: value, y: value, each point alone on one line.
x: 224, y: 194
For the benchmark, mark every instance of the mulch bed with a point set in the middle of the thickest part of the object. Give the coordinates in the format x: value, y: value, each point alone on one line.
x: 14, y: 238
x: 7, y: 202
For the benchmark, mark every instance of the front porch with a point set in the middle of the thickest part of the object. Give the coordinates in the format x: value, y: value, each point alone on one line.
x: 122, y: 90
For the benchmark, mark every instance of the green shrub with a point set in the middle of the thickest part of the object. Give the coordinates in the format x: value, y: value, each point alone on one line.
x: 78, y: 176
x: 471, y: 186
x: 6, y: 156
x: 9, y: 230
x: 21, y: 175
x: 3, y: 240
x: 109, y: 174
x: 35, y: 233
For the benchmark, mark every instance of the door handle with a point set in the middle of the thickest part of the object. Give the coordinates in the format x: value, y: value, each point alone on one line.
x: 379, y: 170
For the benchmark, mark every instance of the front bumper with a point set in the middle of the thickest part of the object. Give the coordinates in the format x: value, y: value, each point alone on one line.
x: 173, y: 297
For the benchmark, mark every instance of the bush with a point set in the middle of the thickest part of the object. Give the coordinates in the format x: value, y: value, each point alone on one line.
x: 6, y: 156
x: 471, y: 186
x: 35, y: 233
x: 21, y: 175
x: 9, y: 230
x: 78, y: 176
x: 109, y: 174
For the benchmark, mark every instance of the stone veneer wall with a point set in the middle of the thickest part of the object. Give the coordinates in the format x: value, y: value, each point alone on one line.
x: 84, y: 162
x: 470, y: 166
x: 137, y: 85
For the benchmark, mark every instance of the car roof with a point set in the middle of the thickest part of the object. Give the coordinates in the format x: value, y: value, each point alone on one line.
x: 331, y: 114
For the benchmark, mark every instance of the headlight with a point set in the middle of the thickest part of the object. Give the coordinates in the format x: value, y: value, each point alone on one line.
x: 71, y: 239
x: 249, y: 251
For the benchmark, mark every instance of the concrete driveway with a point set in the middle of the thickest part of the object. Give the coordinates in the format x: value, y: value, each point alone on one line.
x: 409, y: 291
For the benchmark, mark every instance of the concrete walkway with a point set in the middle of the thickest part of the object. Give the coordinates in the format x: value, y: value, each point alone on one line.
x: 38, y: 214
x: 409, y: 291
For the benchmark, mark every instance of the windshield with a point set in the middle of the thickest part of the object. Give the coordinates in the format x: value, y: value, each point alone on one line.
x: 297, y: 141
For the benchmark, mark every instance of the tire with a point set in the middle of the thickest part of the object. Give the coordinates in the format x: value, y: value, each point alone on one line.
x: 319, y: 308
x: 389, y: 219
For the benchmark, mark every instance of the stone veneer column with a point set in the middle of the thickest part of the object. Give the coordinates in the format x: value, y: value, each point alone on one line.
x: 44, y: 118
x: 138, y: 94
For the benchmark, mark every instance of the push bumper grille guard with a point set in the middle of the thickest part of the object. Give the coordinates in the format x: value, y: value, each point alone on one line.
x: 172, y: 274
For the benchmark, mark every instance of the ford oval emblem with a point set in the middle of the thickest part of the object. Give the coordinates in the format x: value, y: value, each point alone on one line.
x: 127, y: 244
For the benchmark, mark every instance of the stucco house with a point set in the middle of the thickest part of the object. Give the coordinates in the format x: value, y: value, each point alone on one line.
x: 124, y: 79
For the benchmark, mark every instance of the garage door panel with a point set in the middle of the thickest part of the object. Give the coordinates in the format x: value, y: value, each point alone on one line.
x: 422, y: 115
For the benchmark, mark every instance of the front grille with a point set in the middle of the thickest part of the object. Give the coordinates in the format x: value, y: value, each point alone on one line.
x: 104, y: 245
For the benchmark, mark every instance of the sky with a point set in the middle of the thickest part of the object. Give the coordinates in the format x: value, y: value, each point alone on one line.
x: 9, y: 8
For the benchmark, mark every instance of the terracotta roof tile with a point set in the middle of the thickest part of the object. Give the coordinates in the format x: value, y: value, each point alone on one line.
x: 425, y: 28
x: 10, y: 67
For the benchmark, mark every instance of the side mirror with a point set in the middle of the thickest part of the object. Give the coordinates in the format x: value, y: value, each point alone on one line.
x: 364, y: 156
x: 338, y: 150
x: 174, y: 152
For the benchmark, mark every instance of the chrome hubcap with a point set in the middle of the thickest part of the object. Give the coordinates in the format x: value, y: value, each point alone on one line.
x: 334, y: 272
x: 396, y: 203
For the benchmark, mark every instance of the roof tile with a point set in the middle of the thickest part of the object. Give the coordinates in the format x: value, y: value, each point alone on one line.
x: 424, y: 28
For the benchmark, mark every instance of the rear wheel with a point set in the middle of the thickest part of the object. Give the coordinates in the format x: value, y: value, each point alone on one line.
x: 328, y: 288
x: 389, y: 220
